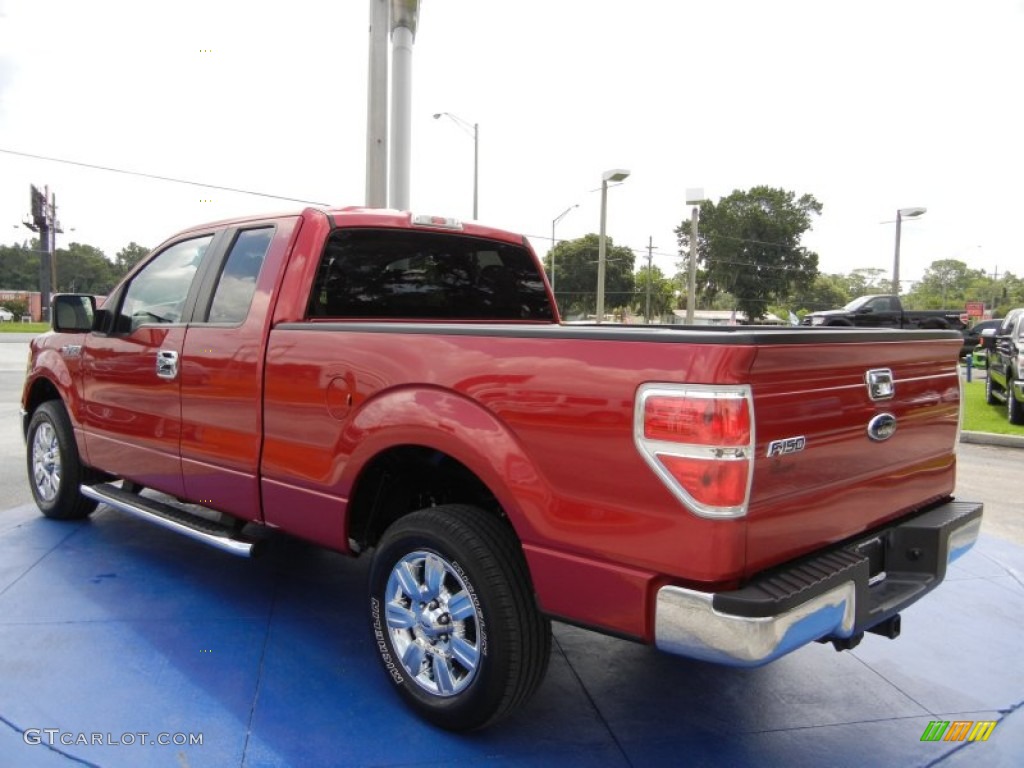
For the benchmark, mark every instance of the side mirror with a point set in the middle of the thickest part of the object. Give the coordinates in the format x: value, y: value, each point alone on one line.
x: 866, y: 310
x: 73, y: 312
x: 987, y: 340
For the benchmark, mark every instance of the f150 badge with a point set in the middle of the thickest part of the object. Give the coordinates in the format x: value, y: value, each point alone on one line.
x: 788, y: 445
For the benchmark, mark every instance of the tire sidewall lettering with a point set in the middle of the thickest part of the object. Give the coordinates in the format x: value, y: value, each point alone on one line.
x: 481, y: 620
x: 383, y: 646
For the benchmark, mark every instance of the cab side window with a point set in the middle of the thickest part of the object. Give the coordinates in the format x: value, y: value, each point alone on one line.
x: 157, y: 294
x: 237, y: 283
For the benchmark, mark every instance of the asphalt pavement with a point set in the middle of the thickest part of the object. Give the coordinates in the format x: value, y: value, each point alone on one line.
x: 13, y: 359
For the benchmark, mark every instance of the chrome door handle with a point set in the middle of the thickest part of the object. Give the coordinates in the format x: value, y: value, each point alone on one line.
x: 167, y: 364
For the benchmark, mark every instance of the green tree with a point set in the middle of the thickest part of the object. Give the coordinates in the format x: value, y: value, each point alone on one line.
x: 865, y: 281
x: 662, y: 292
x: 824, y: 292
x: 945, y: 284
x: 84, y: 269
x: 749, y: 245
x: 128, y: 257
x: 19, y: 267
x: 1010, y: 293
x: 576, y: 275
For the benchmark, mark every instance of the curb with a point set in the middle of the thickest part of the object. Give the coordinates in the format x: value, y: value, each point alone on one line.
x: 990, y: 438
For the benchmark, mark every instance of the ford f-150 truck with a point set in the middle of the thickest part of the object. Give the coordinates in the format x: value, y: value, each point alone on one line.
x: 1004, y: 354
x: 398, y: 385
x: 885, y: 312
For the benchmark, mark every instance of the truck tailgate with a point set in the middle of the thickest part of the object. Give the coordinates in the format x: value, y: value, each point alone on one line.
x: 834, y: 459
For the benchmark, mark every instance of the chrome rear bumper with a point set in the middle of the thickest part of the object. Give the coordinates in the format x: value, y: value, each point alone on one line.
x: 832, y: 595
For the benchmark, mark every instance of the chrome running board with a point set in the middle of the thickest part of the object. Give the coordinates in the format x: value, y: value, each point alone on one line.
x: 172, y: 518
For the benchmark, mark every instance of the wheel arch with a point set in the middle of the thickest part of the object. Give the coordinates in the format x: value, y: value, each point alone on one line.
x: 456, y: 452
x: 38, y: 392
x: 405, y: 478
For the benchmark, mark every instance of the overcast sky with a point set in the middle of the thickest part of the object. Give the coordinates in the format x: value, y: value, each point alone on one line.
x: 869, y: 106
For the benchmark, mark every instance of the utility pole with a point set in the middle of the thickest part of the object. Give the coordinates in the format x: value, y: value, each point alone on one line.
x: 650, y: 258
x: 694, y: 197
x: 43, y: 219
x: 995, y: 289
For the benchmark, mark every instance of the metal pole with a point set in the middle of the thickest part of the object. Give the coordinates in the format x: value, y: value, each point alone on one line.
x: 553, y: 222
x: 401, y: 116
x: 54, y: 229
x: 601, y: 251
x: 650, y: 258
x: 896, y: 259
x: 474, y: 132
x: 691, y: 292
x: 554, y: 242
x: 476, y: 168
x: 46, y: 284
x: 45, y: 272
x: 377, y: 107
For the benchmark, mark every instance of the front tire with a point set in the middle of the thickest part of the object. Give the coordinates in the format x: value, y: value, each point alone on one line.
x: 454, y: 618
x: 55, y: 470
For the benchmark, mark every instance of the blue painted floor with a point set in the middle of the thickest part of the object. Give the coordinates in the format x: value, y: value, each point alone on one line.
x: 117, y: 628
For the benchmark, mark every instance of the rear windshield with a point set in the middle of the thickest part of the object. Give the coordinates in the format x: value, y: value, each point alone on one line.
x: 401, y: 274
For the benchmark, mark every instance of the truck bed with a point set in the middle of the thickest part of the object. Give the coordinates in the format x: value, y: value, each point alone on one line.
x: 538, y: 412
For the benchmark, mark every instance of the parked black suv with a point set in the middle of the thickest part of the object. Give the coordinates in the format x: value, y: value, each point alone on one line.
x: 1005, y: 352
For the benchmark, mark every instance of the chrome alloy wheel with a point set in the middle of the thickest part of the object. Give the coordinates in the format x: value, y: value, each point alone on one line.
x: 46, y: 470
x: 434, y: 623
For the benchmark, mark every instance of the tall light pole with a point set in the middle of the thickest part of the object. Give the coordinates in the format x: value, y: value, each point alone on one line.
x: 909, y: 213
x: 404, y: 16
x: 694, y: 197
x: 377, y: 107
x: 474, y: 131
x: 555, y: 221
x: 616, y: 174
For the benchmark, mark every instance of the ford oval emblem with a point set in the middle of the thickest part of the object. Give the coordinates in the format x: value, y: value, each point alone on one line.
x: 882, y: 427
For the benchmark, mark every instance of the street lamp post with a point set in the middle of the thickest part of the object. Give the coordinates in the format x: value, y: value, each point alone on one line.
x: 555, y: 221
x: 909, y: 213
x: 616, y: 174
x: 474, y: 131
x: 404, y: 15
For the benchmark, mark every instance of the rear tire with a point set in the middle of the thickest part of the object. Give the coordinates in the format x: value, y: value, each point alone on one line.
x: 1014, y: 409
x: 55, y: 470
x: 454, y: 617
x: 990, y: 396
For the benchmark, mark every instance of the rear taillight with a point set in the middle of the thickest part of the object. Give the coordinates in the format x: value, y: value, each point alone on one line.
x: 699, y: 440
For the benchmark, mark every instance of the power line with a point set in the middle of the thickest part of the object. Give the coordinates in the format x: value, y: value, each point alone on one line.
x: 160, y: 178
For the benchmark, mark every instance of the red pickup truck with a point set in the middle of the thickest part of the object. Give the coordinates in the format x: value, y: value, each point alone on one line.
x: 383, y: 383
